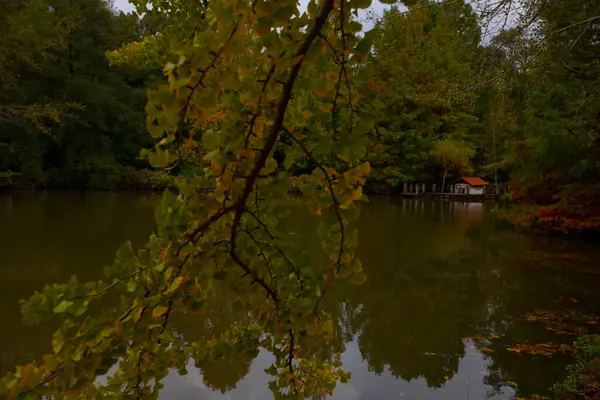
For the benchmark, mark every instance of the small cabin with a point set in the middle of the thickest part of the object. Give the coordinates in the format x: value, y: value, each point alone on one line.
x: 470, y: 185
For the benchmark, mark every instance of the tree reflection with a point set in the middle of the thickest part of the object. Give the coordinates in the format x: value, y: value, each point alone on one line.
x: 422, y: 297
x: 223, y: 373
x: 438, y: 272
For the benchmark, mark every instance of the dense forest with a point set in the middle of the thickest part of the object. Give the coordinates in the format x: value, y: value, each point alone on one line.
x: 236, y: 103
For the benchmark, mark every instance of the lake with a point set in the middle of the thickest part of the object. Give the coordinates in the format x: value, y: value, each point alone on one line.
x: 454, y: 305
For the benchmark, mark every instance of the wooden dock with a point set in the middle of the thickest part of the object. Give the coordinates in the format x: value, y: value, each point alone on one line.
x: 431, y: 190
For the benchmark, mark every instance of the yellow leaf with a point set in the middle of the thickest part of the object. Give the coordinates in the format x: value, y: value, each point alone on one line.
x: 159, y: 311
x: 327, y: 326
x: 326, y: 107
x: 58, y: 340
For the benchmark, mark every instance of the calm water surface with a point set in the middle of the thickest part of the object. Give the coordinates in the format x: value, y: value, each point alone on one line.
x: 441, y: 278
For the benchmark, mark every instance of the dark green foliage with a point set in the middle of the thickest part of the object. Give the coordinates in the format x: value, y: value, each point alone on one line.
x: 86, y: 145
x: 583, y: 381
x: 131, y: 178
x: 421, y: 63
x: 556, y: 150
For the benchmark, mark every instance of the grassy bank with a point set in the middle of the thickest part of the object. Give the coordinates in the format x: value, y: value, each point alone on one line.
x: 583, y: 379
x: 106, y: 179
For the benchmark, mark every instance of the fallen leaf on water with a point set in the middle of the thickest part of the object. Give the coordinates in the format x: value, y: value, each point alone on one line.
x: 485, y: 349
x: 542, y: 349
x: 427, y: 353
x: 567, y: 299
x: 563, y: 322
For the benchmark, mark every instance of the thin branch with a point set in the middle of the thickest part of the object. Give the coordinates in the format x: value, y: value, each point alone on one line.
x: 261, y: 253
x: 291, y: 359
x: 542, y: 46
x: 342, y: 63
x: 139, y: 379
x: 212, y: 219
x: 57, y: 371
x: 193, y: 88
x: 106, y: 289
x: 336, y: 207
x: 276, y: 128
x: 258, y: 112
x: 279, y: 250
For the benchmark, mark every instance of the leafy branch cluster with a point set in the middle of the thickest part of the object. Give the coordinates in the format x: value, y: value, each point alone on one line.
x: 270, y: 71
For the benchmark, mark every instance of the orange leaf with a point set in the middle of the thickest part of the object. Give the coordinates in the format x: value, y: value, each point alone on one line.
x: 342, y: 157
x: 320, y: 94
x: 326, y: 107
x: 261, y: 30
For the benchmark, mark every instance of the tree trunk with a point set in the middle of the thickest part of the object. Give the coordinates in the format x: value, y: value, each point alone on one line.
x: 444, y: 180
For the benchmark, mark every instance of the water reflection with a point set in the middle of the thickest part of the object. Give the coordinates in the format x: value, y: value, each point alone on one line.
x: 439, y: 273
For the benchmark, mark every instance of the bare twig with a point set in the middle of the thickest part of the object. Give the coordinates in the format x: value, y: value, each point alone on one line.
x: 336, y: 208
x: 276, y: 127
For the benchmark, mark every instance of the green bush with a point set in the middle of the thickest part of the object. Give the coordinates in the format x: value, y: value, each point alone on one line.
x: 583, y: 381
x: 103, y: 175
x: 33, y: 171
x: 62, y: 178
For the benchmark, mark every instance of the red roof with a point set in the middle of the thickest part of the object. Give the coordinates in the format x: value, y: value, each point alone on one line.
x: 474, y: 181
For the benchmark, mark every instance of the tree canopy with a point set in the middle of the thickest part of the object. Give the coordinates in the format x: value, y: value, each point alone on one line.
x: 259, y: 107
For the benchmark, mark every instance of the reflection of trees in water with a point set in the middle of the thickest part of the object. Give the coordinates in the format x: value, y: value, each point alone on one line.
x: 521, y: 286
x: 435, y: 276
x: 437, y: 279
x: 414, y: 320
x: 420, y: 299
x: 225, y: 373
x: 220, y: 315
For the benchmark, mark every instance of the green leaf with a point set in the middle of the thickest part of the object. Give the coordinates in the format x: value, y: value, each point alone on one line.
x: 358, y: 279
x: 107, y: 331
x: 364, y: 45
x: 351, y: 238
x: 58, y: 340
x: 81, y: 308
x: 272, y: 370
x: 62, y: 306
x: 174, y: 285
x: 362, y: 3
